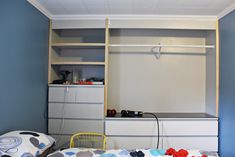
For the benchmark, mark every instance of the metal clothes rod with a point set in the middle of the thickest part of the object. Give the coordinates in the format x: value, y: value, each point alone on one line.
x: 176, y: 46
x: 163, y: 53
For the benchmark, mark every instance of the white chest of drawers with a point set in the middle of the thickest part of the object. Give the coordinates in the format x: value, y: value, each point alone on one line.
x: 73, y: 109
x: 187, y: 133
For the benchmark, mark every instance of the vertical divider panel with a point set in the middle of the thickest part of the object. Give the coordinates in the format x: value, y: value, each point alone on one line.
x: 106, y: 64
x: 217, y: 67
x: 49, y: 52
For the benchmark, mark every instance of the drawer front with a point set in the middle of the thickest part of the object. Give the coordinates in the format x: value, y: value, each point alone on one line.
x: 62, y: 94
x: 190, y: 128
x: 85, y: 111
x: 73, y: 126
x: 61, y: 140
x: 132, y: 142
x: 90, y: 94
x: 125, y: 127
x: 198, y: 143
x: 80, y: 94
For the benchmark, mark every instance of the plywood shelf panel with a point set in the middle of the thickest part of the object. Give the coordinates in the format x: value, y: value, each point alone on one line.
x: 78, y: 45
x: 78, y: 63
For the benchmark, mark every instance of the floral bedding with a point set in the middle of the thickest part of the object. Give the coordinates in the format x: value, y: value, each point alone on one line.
x: 24, y: 144
x: 77, y: 152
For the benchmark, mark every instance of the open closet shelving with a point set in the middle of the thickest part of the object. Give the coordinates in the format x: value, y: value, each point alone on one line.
x: 110, y: 48
x: 153, y: 65
x: 77, y: 49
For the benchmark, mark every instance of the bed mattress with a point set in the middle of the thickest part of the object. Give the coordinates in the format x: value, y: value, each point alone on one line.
x: 78, y: 152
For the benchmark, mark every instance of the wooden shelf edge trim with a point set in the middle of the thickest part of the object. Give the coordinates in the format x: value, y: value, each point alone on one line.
x: 76, y: 44
x: 78, y: 63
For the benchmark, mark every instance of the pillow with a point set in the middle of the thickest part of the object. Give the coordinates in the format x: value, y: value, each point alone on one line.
x: 24, y: 143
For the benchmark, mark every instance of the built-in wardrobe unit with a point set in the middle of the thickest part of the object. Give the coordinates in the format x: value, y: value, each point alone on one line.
x: 164, y: 66
x: 82, y: 51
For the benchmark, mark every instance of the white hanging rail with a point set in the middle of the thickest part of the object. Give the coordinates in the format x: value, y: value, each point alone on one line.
x: 176, y: 46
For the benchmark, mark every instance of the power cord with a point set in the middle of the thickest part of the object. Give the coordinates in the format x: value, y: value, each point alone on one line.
x: 158, y: 135
x: 61, y: 128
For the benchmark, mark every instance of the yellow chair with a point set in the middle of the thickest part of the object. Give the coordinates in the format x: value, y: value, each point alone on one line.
x: 88, y: 140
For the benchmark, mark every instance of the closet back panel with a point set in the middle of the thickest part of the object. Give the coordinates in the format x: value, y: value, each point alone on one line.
x: 174, y: 83
x: 211, y: 75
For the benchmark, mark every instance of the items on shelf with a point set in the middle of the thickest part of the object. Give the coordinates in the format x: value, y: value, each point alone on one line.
x: 111, y: 112
x: 63, y: 77
x: 91, y: 81
x: 127, y: 113
x: 76, y: 81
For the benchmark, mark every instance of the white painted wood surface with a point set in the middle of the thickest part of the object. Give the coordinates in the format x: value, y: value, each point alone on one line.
x: 72, y: 126
x: 70, y: 24
x: 164, y: 23
x: 196, y: 143
x: 80, y: 111
x: 62, y: 94
x: 68, y: 114
x: 199, y: 134
x: 62, y: 140
x: 139, y: 128
x: 199, y: 143
x: 190, y: 128
x: 132, y: 142
x: 167, y: 128
x: 211, y: 76
x: 90, y: 95
x: 174, y: 83
x: 79, y: 94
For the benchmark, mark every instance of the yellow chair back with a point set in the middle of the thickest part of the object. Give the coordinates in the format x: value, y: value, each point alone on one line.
x: 88, y: 140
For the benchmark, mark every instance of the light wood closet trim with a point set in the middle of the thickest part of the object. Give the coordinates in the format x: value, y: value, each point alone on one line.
x: 217, y: 67
x: 76, y: 44
x: 78, y: 63
x: 106, y: 65
x: 49, y: 51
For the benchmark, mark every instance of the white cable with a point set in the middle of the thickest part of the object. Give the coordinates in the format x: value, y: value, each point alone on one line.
x: 62, y: 115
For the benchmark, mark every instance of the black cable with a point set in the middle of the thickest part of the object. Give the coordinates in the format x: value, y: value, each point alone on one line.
x: 158, y: 135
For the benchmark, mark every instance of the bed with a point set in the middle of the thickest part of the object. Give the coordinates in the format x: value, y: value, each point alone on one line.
x: 79, y: 152
x: 25, y: 144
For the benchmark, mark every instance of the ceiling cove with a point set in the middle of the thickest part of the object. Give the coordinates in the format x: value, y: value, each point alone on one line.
x: 134, y: 9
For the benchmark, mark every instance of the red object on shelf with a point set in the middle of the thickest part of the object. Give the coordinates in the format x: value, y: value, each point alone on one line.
x: 84, y: 83
x: 89, y: 83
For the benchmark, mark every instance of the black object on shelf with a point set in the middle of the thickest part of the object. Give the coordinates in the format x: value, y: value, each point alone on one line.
x: 127, y: 113
x: 95, y: 79
x: 63, y: 75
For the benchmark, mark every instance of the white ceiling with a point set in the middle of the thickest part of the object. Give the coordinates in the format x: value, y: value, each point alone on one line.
x: 57, y: 8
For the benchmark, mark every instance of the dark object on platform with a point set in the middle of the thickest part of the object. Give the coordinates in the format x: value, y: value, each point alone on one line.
x: 127, y: 113
x: 95, y: 79
x: 63, y: 75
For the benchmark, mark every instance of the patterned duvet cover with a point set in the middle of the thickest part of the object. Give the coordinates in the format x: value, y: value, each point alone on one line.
x: 78, y: 152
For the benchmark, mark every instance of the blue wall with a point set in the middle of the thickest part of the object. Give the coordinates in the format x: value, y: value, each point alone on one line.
x: 227, y: 85
x: 23, y: 66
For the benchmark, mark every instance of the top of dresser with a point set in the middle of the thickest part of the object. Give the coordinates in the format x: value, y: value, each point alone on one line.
x: 166, y: 116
